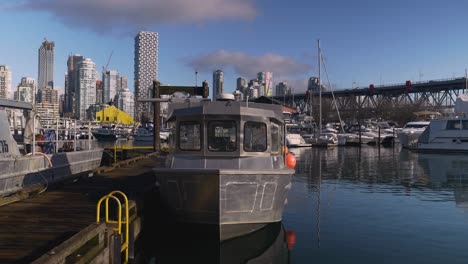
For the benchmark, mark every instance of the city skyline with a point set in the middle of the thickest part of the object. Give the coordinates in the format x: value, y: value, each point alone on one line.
x: 363, y: 42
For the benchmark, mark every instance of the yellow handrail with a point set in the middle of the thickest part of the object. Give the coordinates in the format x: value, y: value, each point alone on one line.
x: 119, y: 221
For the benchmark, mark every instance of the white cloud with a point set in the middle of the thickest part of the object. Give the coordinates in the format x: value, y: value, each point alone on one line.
x: 104, y: 16
x: 248, y: 65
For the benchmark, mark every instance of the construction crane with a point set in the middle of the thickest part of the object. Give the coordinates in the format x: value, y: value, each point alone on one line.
x: 104, y: 68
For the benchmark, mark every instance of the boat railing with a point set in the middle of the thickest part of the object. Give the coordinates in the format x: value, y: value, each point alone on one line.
x: 61, y: 135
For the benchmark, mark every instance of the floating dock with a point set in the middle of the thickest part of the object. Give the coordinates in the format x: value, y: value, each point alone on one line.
x: 59, y: 225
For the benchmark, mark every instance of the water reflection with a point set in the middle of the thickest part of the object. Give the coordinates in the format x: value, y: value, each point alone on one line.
x: 200, y: 244
x: 382, y: 171
x: 371, y: 205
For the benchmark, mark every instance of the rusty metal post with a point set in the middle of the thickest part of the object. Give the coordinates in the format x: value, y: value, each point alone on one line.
x: 156, y: 118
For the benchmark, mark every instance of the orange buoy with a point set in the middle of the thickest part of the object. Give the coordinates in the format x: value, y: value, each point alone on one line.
x: 290, y: 160
x: 291, y: 239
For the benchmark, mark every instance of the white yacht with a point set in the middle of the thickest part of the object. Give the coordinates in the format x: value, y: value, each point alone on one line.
x: 410, y: 133
x: 294, y: 138
x: 445, y: 135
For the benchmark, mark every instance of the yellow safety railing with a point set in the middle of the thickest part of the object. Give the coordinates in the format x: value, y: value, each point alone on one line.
x: 119, y: 221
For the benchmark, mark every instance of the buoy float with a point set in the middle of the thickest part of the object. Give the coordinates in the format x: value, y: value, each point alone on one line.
x: 290, y: 160
x: 285, y: 150
x: 291, y: 239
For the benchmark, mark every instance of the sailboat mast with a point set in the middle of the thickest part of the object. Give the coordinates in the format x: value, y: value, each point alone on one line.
x: 320, y: 85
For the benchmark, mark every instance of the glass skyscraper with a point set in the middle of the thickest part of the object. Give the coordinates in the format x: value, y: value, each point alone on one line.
x: 46, y: 65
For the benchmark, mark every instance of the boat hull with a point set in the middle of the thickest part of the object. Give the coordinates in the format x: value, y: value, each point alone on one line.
x: 17, y: 173
x: 105, y: 137
x: 249, y: 199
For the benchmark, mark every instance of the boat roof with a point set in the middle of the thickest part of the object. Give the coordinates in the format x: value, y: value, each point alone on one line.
x: 225, y: 108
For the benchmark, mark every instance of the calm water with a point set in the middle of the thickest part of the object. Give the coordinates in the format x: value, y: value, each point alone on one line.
x: 348, y: 205
x: 351, y: 205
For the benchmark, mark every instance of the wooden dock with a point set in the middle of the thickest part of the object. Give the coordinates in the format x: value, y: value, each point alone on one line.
x: 33, y: 227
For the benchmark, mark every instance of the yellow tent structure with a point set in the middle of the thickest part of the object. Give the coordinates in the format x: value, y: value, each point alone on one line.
x: 113, y: 115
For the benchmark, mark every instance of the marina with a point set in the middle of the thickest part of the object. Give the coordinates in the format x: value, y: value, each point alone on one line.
x: 228, y: 132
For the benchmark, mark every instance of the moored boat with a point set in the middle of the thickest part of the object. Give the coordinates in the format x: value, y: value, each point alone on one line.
x: 227, y: 167
x: 409, y: 134
x: 41, y: 161
x: 105, y: 134
x: 445, y: 135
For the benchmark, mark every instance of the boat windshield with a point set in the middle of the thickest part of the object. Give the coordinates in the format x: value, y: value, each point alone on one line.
x: 255, y: 137
x: 222, y: 136
x: 415, y: 126
x: 189, y: 136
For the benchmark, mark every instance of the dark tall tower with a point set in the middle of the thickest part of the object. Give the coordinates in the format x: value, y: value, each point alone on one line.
x: 46, y: 65
x: 71, y: 85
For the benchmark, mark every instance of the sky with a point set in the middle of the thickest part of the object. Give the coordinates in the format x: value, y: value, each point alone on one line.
x: 363, y: 41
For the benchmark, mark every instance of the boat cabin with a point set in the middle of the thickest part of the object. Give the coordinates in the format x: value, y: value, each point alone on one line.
x: 226, y: 134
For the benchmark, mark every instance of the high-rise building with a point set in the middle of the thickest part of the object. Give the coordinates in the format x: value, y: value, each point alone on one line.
x: 71, y: 84
x: 110, y: 85
x: 5, y: 81
x: 265, y: 79
x: 26, y: 90
x: 123, y: 82
x: 47, y: 104
x: 282, y: 89
x: 218, y: 83
x: 47, y: 95
x: 46, y: 65
x: 86, y: 91
x: 61, y: 104
x: 124, y: 100
x: 99, y: 93
x: 313, y: 84
x: 146, y: 71
x: 241, y: 84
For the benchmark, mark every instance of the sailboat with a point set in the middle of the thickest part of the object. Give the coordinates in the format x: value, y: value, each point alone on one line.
x: 325, y: 138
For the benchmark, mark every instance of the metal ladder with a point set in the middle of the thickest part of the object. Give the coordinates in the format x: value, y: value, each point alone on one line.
x: 119, y: 222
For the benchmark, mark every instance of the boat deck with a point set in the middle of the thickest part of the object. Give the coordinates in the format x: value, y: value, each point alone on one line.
x: 32, y: 227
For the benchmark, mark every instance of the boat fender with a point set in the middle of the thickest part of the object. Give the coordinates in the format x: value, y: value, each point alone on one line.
x: 291, y: 239
x: 458, y: 141
x: 290, y: 160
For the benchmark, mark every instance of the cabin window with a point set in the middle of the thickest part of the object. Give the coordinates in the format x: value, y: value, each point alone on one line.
x: 222, y: 136
x: 464, y: 124
x: 189, y: 136
x: 107, y: 118
x: 275, y: 138
x: 98, y: 118
x: 255, y: 137
x: 453, y: 125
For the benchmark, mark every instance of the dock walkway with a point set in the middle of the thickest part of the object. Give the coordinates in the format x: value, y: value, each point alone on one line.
x: 32, y: 227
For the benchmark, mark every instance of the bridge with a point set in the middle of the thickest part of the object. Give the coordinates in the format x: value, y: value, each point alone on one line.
x: 434, y: 95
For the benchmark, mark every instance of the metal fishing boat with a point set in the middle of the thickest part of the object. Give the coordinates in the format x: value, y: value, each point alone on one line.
x: 40, y: 157
x: 228, y: 165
